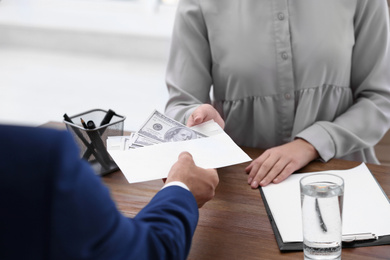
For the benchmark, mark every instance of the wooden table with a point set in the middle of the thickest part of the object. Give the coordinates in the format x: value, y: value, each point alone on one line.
x: 235, y: 225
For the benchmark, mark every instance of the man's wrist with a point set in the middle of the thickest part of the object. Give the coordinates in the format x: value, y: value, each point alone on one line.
x: 176, y: 183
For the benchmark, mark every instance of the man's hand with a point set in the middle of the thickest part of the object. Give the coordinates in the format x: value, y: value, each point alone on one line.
x: 277, y: 163
x: 201, y: 182
x: 203, y: 114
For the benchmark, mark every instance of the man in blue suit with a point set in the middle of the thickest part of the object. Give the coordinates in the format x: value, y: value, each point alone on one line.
x: 53, y: 206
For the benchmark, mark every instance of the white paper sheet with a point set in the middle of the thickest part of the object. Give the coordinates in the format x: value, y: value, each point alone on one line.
x: 155, y: 161
x: 366, y: 207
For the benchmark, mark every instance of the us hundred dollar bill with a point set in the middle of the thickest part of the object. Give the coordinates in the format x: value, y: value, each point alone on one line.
x: 161, y: 128
x: 141, y: 141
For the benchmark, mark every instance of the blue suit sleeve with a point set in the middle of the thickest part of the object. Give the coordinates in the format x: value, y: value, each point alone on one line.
x: 87, y: 225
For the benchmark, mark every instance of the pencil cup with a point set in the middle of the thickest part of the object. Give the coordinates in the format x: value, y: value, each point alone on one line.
x: 322, y: 203
x: 90, y: 130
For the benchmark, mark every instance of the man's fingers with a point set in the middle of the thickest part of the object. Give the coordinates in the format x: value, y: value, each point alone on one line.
x: 184, y: 155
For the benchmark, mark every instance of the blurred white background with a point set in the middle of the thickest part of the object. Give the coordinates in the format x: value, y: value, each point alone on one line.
x: 70, y: 56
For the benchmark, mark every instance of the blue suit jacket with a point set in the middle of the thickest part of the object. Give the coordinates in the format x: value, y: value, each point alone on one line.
x: 54, y: 207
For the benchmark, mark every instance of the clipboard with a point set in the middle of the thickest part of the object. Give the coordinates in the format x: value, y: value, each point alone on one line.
x: 355, y: 240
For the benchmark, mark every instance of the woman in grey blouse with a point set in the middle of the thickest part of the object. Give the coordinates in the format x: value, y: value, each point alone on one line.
x: 302, y: 79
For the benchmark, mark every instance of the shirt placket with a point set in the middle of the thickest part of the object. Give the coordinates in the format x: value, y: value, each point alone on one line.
x: 284, y: 68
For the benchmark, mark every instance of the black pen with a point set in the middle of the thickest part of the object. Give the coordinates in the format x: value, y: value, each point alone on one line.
x: 322, y: 223
x: 97, y: 142
x: 107, y: 118
x: 91, y: 125
x: 90, y: 147
x: 67, y: 118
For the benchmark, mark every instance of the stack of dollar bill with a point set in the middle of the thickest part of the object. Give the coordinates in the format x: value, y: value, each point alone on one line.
x: 159, y: 128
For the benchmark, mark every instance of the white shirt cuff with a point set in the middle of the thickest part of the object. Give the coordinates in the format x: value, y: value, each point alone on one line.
x: 176, y: 183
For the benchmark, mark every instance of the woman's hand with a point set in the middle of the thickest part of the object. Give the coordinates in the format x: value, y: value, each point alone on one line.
x: 203, y: 114
x: 277, y: 163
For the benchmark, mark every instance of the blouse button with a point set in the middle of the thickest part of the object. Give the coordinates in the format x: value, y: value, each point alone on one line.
x: 281, y: 16
x: 284, y: 55
x: 287, y: 96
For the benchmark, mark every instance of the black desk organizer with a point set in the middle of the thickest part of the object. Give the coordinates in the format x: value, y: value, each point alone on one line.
x: 92, y: 141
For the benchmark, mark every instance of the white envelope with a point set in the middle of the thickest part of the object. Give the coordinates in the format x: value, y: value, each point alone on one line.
x: 155, y: 161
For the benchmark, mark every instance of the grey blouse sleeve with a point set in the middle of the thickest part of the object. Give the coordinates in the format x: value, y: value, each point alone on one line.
x: 188, y: 73
x: 368, y: 119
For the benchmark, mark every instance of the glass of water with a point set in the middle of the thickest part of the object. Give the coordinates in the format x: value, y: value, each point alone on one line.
x: 322, y: 204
